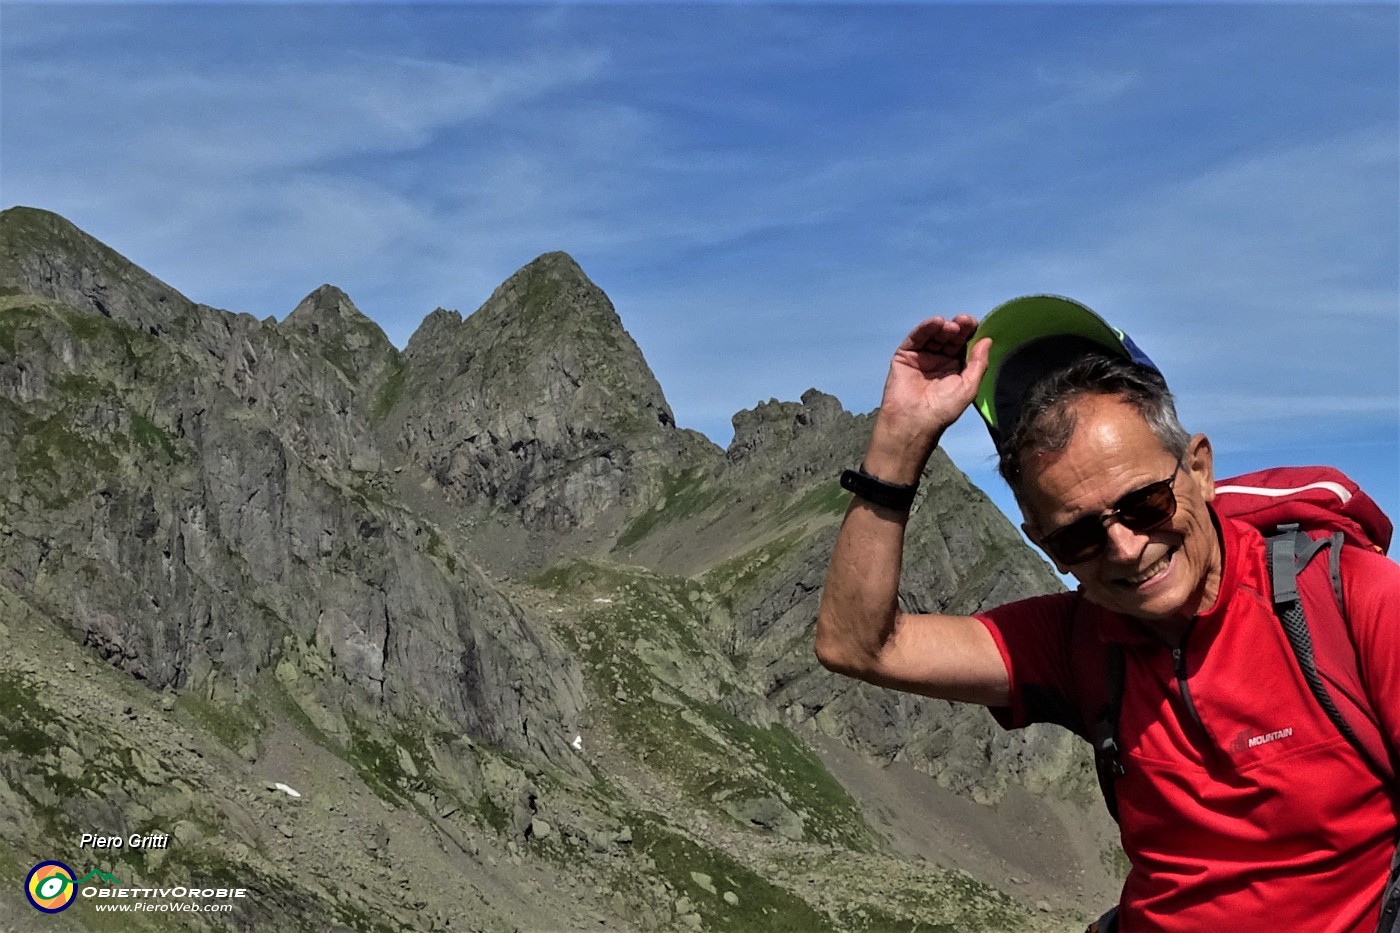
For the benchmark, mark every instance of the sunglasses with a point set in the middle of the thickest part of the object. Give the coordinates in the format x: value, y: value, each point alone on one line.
x: 1140, y: 510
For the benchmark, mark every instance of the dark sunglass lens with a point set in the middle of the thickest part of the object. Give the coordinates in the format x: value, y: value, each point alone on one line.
x: 1149, y: 507
x: 1078, y: 541
x: 1141, y: 510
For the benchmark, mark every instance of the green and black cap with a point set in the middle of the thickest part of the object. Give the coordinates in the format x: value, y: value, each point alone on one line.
x: 1032, y: 336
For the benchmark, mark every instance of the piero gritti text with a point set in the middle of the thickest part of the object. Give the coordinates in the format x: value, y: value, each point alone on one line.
x: 134, y: 841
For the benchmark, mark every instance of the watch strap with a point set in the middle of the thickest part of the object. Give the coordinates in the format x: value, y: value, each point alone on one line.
x: 877, y: 491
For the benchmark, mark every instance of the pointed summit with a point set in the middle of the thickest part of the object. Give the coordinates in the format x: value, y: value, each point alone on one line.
x: 553, y: 286
x: 325, y: 303
x: 550, y: 300
x: 535, y: 400
x: 43, y: 254
x: 345, y: 336
x: 329, y: 312
x: 549, y: 333
x: 435, y: 330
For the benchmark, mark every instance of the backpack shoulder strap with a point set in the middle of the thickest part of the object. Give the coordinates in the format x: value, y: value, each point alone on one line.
x: 1389, y: 921
x: 1108, y: 764
x: 1098, y: 709
x: 1289, y: 552
x: 1337, y: 647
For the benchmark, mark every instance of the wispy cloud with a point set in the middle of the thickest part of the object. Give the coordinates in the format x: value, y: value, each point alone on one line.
x: 1251, y: 407
x: 1088, y: 86
x: 225, y: 120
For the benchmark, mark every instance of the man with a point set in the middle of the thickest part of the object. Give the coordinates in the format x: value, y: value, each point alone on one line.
x: 1240, y: 805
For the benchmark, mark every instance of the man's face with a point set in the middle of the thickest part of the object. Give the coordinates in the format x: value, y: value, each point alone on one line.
x: 1169, y: 572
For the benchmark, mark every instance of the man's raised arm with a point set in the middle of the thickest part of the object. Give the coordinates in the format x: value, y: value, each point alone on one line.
x: 860, y: 630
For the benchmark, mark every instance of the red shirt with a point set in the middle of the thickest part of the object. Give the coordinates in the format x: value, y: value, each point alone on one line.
x: 1242, y: 808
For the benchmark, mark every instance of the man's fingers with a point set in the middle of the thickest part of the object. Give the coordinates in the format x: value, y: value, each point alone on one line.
x: 945, y: 336
x: 977, y: 359
x: 922, y: 333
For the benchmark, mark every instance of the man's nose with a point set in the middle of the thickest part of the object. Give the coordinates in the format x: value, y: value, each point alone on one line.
x: 1124, y: 545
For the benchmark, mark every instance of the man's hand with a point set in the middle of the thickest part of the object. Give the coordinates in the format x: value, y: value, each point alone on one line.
x: 932, y: 379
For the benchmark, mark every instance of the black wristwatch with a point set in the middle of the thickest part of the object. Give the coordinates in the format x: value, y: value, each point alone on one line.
x: 891, y: 495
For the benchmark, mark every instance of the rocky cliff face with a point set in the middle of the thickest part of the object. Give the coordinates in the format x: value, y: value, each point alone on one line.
x: 202, y: 511
x: 44, y: 255
x: 354, y: 345
x: 486, y: 581
x: 962, y: 555
x: 539, y: 404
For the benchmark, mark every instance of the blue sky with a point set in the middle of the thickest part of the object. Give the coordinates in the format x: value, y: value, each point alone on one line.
x: 771, y: 196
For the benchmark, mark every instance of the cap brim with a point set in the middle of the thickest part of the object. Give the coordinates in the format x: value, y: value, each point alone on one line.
x: 1019, y: 321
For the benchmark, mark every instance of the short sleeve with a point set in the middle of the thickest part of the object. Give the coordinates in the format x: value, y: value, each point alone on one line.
x: 1034, y: 638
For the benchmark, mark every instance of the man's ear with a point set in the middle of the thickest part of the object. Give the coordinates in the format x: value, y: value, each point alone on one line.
x: 1200, y: 460
x: 1029, y: 531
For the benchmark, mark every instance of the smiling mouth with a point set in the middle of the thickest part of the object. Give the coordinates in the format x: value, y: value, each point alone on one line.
x: 1150, y: 573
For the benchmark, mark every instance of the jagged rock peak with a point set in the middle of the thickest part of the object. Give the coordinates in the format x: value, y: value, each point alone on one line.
x: 770, y: 422
x: 538, y: 402
x: 325, y: 299
x: 328, y: 308
x: 44, y: 254
x: 548, y: 298
x: 555, y: 262
x: 554, y: 259
x: 546, y: 325
x: 552, y: 289
x: 342, y: 334
x: 33, y: 216
x: 549, y: 323
x: 37, y: 225
x: 815, y: 408
x: 432, y: 331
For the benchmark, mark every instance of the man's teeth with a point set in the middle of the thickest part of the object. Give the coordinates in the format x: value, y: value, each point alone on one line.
x: 1150, y: 572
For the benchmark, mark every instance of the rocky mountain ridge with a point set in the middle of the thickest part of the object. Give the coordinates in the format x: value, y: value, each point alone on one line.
x: 487, y: 586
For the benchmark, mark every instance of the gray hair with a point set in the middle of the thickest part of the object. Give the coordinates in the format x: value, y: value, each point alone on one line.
x: 1047, y: 416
